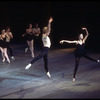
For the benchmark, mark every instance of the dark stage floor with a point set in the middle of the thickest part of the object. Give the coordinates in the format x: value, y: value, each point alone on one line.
x: 16, y: 82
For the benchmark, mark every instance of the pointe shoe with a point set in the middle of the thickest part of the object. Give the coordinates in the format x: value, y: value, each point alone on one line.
x: 98, y: 60
x: 32, y: 55
x: 26, y: 49
x: 48, y: 74
x: 3, y: 60
x: 73, y: 79
x: 8, y: 61
x: 13, y: 58
x: 28, y: 66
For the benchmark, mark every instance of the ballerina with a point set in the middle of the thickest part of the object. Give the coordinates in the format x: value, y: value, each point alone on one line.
x: 80, y: 51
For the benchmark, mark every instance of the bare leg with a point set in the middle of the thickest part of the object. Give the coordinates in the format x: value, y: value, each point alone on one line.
x: 30, y: 44
x: 32, y: 48
x: 2, y: 54
x: 6, y: 55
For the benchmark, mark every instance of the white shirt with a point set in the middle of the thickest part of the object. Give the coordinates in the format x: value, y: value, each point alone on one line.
x: 36, y: 31
x: 8, y: 38
x: 46, y: 41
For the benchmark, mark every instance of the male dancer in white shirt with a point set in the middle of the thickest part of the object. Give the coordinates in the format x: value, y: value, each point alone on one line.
x: 46, y: 46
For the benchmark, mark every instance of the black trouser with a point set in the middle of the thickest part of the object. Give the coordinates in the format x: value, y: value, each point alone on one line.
x: 38, y: 43
x: 43, y: 54
x: 10, y: 50
x: 77, y: 59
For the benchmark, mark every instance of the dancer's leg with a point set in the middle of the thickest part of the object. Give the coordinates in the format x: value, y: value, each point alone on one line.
x: 30, y: 44
x: 6, y: 55
x: 44, y: 52
x: 27, y: 47
x: 2, y: 52
x: 10, y: 50
x: 45, y: 57
x: 77, y: 59
x: 88, y: 57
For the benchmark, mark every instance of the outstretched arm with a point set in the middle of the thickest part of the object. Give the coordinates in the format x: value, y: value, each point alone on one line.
x: 87, y: 34
x: 62, y: 41
x: 49, y: 26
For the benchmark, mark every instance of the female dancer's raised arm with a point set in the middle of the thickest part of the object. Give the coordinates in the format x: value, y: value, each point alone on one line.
x: 87, y: 34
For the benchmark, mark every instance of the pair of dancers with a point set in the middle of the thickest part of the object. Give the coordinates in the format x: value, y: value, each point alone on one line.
x: 32, y: 35
x: 80, y: 51
x: 5, y: 38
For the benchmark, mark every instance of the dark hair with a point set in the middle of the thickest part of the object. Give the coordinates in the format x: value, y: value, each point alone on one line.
x: 82, y: 32
x: 7, y: 28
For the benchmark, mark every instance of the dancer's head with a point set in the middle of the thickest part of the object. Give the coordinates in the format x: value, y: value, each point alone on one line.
x: 36, y: 25
x: 30, y: 25
x: 80, y: 37
x: 2, y: 31
x: 81, y: 34
x: 7, y: 29
x: 44, y: 29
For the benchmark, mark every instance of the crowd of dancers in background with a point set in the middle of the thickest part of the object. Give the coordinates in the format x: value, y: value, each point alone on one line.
x: 32, y: 35
x: 43, y: 41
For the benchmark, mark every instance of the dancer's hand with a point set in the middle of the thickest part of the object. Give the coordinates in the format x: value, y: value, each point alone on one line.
x: 84, y: 28
x: 22, y: 35
x: 50, y: 20
x: 62, y: 41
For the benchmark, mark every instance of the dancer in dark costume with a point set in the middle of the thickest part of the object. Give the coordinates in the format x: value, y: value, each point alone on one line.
x: 4, y: 46
x: 8, y: 40
x: 29, y: 38
x: 37, y: 37
x: 45, y: 50
x: 80, y: 51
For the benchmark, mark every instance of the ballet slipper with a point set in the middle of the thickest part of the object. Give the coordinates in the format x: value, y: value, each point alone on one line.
x: 73, y: 79
x: 8, y: 61
x: 3, y: 60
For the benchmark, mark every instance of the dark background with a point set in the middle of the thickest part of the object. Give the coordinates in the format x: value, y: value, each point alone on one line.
x: 68, y: 18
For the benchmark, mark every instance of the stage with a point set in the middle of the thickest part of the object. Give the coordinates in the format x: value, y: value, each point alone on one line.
x: 18, y: 83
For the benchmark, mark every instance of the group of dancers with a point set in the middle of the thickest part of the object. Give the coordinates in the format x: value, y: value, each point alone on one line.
x: 32, y: 34
x: 79, y: 52
x: 5, y: 38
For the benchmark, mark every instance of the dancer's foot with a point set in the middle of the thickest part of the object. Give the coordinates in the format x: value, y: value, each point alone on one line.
x: 32, y: 55
x: 13, y: 58
x: 28, y: 66
x: 73, y: 79
x: 8, y: 61
x: 48, y: 74
x: 98, y: 60
x: 26, y: 49
x: 3, y: 60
